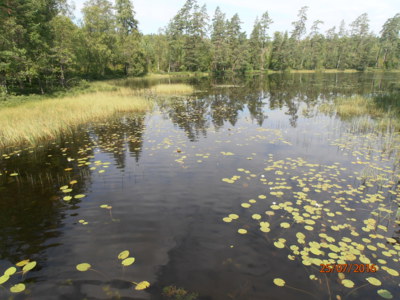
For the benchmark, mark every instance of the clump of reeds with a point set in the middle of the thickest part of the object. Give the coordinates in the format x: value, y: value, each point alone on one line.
x: 35, y: 121
x: 172, y: 89
x: 366, y: 113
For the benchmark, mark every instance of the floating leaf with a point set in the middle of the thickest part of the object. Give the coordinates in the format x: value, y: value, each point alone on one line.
x: 285, y: 225
x: 29, y: 266
x: 4, y: 278
x: 227, y: 220
x: 83, y: 267
x: 348, y: 283
x: 22, y: 263
x: 242, y: 231
x: 104, y: 205
x: 18, y: 288
x: 385, y: 294
x: 256, y: 217
x: 233, y: 216
x: 374, y: 281
x: 279, y: 244
x: 10, y: 271
x: 67, y: 198
x: 392, y: 272
x: 128, y: 261
x: 279, y: 282
x: 142, y: 285
x: 124, y: 254
x: 79, y: 196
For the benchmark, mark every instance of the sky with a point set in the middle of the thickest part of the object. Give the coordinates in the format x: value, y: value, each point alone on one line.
x: 155, y: 14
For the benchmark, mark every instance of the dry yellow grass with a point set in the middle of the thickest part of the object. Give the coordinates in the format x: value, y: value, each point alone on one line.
x: 33, y: 122
x: 324, y: 71
x: 172, y: 89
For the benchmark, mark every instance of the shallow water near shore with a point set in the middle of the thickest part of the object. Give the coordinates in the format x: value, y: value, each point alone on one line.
x: 239, y: 191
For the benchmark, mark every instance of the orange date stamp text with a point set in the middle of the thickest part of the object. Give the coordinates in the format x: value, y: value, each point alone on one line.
x: 347, y: 268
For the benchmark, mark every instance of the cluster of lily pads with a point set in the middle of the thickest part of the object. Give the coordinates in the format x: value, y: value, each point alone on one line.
x: 319, y: 205
x: 25, y: 266
x: 126, y: 261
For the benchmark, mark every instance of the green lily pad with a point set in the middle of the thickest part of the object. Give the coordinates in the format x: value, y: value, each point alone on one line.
x: 4, y: 278
x: 128, y: 261
x: 348, y: 283
x: 279, y: 282
x: 18, y: 288
x: 124, y: 254
x: 29, y: 266
x: 385, y: 294
x: 83, y: 267
x: 374, y: 281
x: 142, y: 285
x: 10, y: 271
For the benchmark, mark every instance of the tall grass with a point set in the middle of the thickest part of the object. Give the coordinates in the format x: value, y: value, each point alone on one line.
x: 172, y: 89
x: 367, y: 113
x: 354, y: 106
x: 33, y: 122
x: 30, y: 122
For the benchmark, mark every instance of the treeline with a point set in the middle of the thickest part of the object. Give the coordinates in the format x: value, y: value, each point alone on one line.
x: 42, y: 49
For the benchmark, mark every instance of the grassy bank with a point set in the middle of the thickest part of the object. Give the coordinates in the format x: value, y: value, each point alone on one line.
x: 175, y: 74
x: 36, y: 121
x: 86, y: 87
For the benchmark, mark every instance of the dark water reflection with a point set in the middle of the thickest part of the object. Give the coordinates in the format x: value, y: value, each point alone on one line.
x: 162, y: 172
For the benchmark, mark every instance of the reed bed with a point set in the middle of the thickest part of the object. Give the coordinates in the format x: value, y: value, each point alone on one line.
x: 33, y: 122
x: 365, y: 113
x: 172, y: 89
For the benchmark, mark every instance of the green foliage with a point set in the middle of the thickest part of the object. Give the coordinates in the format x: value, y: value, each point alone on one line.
x: 43, y: 51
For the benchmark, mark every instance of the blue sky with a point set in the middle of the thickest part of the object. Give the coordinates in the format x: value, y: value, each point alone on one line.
x: 153, y: 14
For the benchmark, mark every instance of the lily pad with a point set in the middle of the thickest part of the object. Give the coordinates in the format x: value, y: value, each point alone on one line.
x: 142, y: 285
x: 348, y: 283
x: 279, y: 282
x: 385, y: 294
x: 128, y: 261
x: 124, y: 254
x: 18, y: 288
x: 10, y: 271
x: 4, y: 278
x: 374, y: 281
x: 83, y: 267
x: 29, y: 266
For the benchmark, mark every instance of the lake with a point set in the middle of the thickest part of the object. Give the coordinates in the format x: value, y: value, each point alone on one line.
x: 239, y: 191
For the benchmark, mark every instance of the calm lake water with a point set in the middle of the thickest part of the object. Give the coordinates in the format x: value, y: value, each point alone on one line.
x: 304, y: 188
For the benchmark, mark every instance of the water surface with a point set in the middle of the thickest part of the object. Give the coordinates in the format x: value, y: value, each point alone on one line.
x: 172, y: 175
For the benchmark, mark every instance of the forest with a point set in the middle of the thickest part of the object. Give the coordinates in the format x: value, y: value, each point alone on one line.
x: 43, y: 48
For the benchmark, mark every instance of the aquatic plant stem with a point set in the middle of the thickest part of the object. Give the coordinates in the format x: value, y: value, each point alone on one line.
x: 300, y: 290
x: 327, y: 285
x: 102, y: 274
x: 353, y: 290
